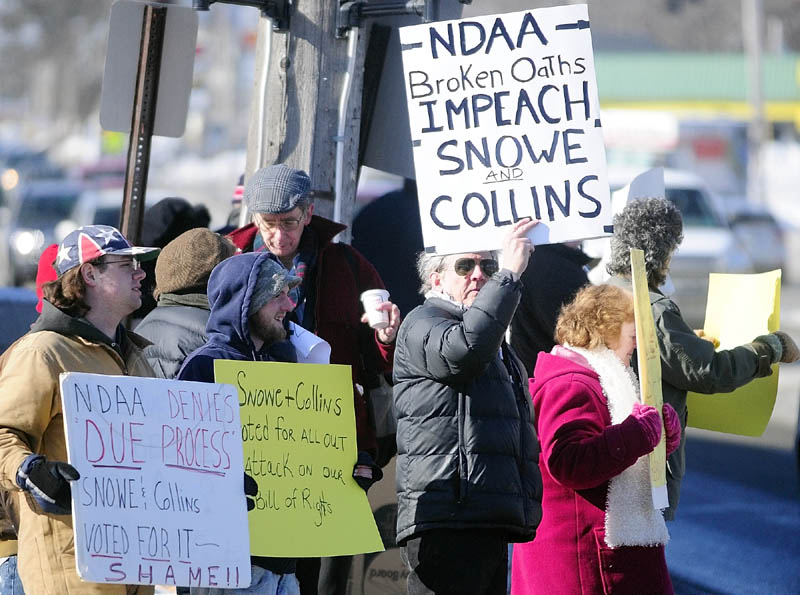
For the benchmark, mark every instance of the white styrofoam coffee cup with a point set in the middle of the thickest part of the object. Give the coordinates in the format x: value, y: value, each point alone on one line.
x: 371, y: 299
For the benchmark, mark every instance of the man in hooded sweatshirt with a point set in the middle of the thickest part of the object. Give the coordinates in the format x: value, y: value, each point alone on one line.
x: 249, y: 299
x: 80, y: 330
x: 284, y: 226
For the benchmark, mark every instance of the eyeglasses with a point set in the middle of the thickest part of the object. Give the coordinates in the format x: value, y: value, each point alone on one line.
x: 465, y: 266
x: 132, y: 262
x: 288, y: 224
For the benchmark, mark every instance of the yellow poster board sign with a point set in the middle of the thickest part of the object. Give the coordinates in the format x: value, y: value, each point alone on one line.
x: 649, y: 361
x: 299, y: 440
x: 754, y: 311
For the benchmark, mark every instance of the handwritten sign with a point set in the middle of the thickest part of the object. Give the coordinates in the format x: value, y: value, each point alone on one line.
x: 505, y: 124
x: 299, y: 439
x: 159, y: 461
x: 755, y: 311
x: 649, y: 364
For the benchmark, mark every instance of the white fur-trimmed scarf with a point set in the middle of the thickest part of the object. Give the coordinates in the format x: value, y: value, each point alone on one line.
x: 630, y: 517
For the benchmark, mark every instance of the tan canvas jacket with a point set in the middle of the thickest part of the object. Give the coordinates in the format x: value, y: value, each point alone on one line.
x: 31, y: 421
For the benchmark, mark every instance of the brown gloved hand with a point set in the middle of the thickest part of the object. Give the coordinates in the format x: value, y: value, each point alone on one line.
x: 782, y: 346
x: 791, y: 353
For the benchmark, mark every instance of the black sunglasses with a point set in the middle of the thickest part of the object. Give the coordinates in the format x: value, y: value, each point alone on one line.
x: 465, y: 266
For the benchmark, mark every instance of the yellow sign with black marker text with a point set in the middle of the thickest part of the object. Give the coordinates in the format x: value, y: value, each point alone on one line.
x: 299, y: 440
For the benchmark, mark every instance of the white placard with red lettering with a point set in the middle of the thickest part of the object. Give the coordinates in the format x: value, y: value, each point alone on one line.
x: 505, y: 124
x: 160, y: 498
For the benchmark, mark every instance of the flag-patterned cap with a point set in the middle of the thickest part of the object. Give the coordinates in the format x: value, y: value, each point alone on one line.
x: 93, y: 241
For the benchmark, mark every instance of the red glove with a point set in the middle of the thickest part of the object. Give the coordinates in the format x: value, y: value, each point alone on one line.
x: 650, y: 421
x: 672, y: 426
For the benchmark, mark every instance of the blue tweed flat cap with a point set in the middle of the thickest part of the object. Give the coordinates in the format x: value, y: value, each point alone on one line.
x: 276, y: 189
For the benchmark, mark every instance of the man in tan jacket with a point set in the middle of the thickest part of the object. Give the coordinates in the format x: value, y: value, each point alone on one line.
x: 79, y: 330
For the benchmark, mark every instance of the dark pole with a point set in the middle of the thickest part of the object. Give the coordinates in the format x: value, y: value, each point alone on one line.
x: 142, y: 122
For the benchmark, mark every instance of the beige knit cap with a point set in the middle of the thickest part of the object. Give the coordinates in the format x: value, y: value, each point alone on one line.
x: 185, y: 264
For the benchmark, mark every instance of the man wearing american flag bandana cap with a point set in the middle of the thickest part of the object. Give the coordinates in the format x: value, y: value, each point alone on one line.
x: 80, y: 330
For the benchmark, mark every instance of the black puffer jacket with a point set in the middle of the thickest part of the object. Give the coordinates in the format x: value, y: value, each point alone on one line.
x: 554, y: 275
x: 177, y: 326
x: 466, y: 442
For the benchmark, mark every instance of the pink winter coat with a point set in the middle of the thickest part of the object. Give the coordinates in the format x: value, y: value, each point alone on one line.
x: 580, y: 452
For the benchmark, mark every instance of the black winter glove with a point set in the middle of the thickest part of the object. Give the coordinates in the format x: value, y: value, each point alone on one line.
x: 366, y: 471
x: 250, y: 490
x: 48, y: 483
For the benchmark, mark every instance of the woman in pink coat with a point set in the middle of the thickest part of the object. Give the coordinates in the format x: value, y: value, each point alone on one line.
x: 599, y: 532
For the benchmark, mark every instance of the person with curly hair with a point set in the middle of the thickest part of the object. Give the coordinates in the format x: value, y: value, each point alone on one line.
x: 599, y: 532
x: 689, y: 361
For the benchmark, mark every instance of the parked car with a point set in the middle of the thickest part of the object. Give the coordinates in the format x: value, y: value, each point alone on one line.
x: 106, y: 172
x: 759, y: 233
x: 19, y: 163
x: 709, y: 243
x: 5, y: 219
x: 46, y: 211
x: 95, y: 206
x: 39, y: 207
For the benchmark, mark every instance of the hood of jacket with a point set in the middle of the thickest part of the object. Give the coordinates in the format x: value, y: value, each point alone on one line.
x: 549, y: 366
x: 53, y: 319
x: 230, y: 289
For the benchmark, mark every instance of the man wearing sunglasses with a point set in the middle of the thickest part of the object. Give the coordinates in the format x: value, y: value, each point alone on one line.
x: 467, y: 476
x: 79, y: 330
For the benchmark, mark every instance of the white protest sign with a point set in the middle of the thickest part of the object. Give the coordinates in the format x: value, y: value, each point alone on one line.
x: 505, y: 124
x: 309, y: 347
x: 160, y: 498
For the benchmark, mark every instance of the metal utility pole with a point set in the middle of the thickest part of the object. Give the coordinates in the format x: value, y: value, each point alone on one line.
x: 752, y: 22
x: 142, y: 121
x: 306, y: 108
x: 307, y: 103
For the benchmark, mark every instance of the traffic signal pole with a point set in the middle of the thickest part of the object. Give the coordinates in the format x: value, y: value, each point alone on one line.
x: 142, y: 122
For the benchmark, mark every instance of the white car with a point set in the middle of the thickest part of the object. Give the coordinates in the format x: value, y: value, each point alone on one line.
x: 709, y: 244
x: 761, y: 234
